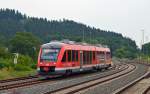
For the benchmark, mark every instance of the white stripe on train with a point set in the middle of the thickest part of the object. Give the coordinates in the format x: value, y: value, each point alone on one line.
x: 78, y: 67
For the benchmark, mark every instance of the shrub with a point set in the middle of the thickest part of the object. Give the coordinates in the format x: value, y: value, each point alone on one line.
x: 5, y: 63
x: 19, y: 67
x: 33, y: 65
x: 2, y: 65
x: 4, y: 53
x: 25, y: 63
x: 25, y: 60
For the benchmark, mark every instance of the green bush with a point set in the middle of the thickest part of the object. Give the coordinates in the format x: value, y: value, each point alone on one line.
x: 4, y: 53
x: 24, y: 63
x: 33, y: 65
x: 25, y: 60
x: 19, y: 67
x: 5, y: 63
x: 2, y: 65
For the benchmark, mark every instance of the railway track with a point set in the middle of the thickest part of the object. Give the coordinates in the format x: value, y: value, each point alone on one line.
x: 16, y: 85
x: 9, y: 84
x: 25, y: 82
x: 85, y: 85
x: 126, y: 89
x: 17, y: 79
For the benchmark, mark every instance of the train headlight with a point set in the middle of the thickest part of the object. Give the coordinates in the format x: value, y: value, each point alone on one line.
x: 38, y: 69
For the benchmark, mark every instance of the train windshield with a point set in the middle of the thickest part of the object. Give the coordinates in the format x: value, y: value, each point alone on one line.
x: 49, y: 54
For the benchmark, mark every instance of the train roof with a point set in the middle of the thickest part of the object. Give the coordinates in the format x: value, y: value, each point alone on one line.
x: 75, y: 45
x: 54, y: 44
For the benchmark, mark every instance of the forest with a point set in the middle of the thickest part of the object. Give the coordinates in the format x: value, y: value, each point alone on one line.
x: 12, y: 21
x: 22, y: 34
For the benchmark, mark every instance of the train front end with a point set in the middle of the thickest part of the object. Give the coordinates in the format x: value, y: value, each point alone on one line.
x: 47, y: 59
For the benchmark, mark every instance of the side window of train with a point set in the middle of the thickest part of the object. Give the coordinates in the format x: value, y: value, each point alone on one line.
x: 87, y: 57
x: 84, y: 57
x: 108, y: 55
x: 64, y: 57
x: 76, y: 55
x: 101, y: 55
x: 73, y: 55
x: 93, y: 55
x: 69, y: 56
x: 90, y: 57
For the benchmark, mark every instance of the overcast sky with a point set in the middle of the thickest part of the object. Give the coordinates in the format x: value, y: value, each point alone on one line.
x: 128, y: 17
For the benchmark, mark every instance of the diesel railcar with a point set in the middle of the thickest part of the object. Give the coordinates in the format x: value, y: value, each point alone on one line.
x: 59, y: 57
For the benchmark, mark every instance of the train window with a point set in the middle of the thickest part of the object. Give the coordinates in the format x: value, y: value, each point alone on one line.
x: 102, y: 56
x: 84, y: 57
x: 87, y: 57
x: 108, y: 55
x: 64, y: 57
x: 90, y: 57
x: 93, y: 55
x: 49, y: 54
x: 76, y: 55
x: 73, y: 55
x: 69, y: 55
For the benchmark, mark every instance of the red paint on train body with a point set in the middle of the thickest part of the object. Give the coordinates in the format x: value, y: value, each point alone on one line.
x: 61, y: 57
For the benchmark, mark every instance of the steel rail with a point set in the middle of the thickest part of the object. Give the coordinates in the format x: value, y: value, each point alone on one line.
x: 64, y: 88
x: 37, y: 81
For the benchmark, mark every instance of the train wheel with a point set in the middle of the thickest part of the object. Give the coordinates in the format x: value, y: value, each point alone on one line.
x: 106, y: 68
x: 68, y: 72
x: 99, y: 69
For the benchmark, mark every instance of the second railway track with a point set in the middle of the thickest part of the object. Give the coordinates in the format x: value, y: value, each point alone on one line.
x: 93, y: 82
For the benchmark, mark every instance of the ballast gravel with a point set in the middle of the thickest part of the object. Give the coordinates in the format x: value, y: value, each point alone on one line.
x: 110, y: 87
x: 101, y: 89
x: 48, y: 86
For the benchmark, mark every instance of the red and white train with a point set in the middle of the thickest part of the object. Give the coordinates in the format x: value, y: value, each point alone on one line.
x: 58, y: 57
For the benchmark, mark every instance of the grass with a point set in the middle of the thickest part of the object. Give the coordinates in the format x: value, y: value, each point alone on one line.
x: 6, y: 73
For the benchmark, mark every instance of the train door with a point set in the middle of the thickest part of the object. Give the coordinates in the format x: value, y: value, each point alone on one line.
x: 81, y: 59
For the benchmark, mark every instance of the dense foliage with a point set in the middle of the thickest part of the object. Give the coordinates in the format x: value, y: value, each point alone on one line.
x: 12, y: 21
x: 24, y: 43
x: 146, y: 49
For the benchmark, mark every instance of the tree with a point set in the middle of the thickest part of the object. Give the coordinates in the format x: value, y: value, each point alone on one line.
x: 24, y: 43
x: 146, y: 49
x: 120, y: 52
x: 12, y: 21
x: 4, y: 52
